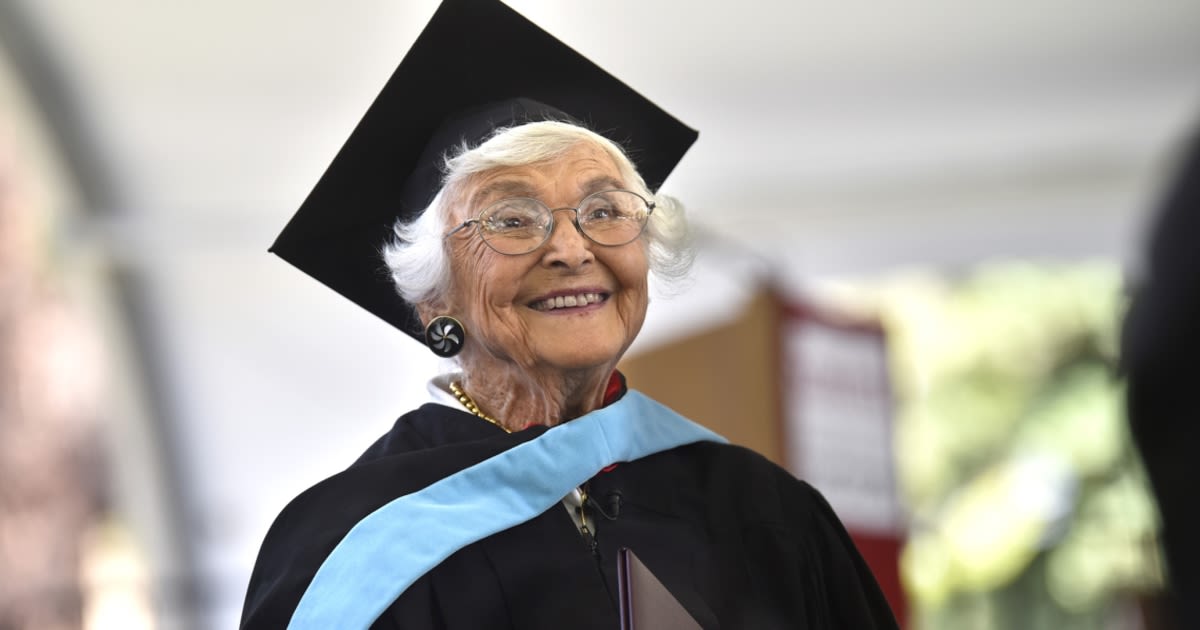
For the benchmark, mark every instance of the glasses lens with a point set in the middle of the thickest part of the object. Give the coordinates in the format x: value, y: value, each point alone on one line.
x: 515, y: 226
x: 613, y: 217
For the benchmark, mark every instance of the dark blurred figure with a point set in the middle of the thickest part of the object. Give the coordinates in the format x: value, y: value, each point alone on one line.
x: 1161, y: 348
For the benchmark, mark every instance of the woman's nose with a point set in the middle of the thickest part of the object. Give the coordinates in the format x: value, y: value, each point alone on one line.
x: 567, y: 245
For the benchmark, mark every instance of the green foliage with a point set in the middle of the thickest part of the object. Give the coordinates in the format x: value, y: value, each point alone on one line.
x: 1029, y: 505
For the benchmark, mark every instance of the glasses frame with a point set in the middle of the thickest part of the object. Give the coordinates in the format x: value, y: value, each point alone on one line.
x: 477, y: 221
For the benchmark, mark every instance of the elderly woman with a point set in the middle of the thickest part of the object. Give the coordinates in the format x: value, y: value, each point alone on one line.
x: 506, y: 501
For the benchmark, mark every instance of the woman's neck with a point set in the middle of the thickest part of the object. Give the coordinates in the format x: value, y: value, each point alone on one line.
x: 517, y: 397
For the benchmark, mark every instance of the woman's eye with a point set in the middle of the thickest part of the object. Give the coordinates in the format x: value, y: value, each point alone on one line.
x: 600, y: 213
x: 511, y: 221
x: 506, y: 224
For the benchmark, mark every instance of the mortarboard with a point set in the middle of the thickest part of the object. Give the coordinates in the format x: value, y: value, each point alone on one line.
x: 478, y: 65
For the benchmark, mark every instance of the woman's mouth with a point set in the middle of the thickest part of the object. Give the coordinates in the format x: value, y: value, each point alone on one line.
x: 570, y: 300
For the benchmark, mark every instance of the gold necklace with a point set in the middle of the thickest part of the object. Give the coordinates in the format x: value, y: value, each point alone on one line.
x: 469, y: 403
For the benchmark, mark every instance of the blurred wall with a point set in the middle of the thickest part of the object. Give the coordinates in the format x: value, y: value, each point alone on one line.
x: 724, y: 378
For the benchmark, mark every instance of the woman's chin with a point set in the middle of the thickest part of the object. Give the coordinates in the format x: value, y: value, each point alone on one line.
x: 579, y: 359
x: 576, y: 352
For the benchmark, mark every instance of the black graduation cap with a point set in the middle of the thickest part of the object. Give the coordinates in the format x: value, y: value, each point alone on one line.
x: 478, y: 65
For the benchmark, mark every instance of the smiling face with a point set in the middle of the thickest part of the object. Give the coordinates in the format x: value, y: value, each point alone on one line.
x: 570, y: 304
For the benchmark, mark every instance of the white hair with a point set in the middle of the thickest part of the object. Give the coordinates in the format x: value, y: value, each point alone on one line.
x: 417, y: 259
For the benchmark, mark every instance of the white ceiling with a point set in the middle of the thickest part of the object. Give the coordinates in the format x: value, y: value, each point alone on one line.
x: 221, y: 115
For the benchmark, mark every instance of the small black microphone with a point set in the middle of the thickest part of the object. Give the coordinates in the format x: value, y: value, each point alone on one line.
x: 613, y: 499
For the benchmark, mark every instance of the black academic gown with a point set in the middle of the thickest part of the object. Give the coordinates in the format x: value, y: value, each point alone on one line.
x: 736, y: 539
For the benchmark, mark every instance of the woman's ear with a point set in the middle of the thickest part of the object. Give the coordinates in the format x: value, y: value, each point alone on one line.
x: 424, y: 312
x: 429, y: 309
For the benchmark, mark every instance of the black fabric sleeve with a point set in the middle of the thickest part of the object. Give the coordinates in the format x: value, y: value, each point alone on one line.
x: 853, y: 597
x: 785, y: 559
x: 309, y: 528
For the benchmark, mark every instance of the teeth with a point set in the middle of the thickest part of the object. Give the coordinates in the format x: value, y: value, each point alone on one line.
x: 567, y: 301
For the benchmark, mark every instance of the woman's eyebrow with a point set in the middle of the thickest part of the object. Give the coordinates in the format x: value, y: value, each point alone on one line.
x: 604, y: 182
x: 502, y: 189
x: 506, y: 188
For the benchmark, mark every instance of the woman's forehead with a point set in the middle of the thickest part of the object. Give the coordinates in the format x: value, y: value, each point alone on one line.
x: 582, y: 170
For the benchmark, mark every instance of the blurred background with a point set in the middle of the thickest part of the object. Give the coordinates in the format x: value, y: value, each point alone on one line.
x: 916, y: 226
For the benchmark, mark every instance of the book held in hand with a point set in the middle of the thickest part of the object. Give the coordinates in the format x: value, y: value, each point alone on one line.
x: 645, y: 603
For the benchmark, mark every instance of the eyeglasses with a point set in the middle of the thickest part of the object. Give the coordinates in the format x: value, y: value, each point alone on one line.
x: 521, y: 224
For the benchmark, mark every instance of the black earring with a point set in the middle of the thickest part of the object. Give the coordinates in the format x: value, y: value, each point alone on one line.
x: 445, y: 336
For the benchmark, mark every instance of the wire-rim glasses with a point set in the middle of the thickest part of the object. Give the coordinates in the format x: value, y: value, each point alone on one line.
x: 520, y: 225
